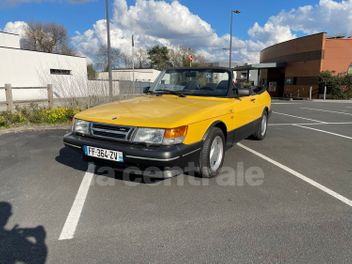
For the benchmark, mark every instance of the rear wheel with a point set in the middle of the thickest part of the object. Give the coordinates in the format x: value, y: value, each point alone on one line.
x: 212, y: 154
x: 262, y: 127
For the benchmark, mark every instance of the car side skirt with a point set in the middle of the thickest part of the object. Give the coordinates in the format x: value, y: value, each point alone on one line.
x: 243, y: 132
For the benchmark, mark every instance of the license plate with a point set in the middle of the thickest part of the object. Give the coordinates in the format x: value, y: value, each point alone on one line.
x: 106, y: 154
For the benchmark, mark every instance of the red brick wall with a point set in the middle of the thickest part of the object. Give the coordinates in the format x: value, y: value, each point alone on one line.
x: 285, y: 50
x: 301, y: 91
x: 337, y: 55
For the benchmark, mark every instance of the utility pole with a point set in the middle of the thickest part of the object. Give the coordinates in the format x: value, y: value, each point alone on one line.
x: 109, y: 48
x: 231, y: 32
x: 133, y: 77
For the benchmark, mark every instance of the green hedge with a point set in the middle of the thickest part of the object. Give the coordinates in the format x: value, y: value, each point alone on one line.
x: 339, y: 86
x: 36, y: 115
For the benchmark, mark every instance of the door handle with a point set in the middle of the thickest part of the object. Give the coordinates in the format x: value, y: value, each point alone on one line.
x: 253, y: 99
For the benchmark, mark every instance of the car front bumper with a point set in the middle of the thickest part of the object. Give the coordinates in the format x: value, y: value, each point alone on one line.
x: 171, y: 160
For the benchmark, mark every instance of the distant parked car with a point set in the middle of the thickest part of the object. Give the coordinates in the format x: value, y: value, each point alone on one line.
x: 188, y: 115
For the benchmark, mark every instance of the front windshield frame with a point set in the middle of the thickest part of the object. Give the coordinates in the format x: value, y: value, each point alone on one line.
x: 156, y: 85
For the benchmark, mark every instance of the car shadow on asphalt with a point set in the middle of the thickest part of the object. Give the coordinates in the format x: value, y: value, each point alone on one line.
x: 24, y: 245
x: 74, y: 159
x: 71, y: 158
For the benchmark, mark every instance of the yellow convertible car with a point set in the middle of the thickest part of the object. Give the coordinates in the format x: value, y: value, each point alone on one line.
x: 185, y: 121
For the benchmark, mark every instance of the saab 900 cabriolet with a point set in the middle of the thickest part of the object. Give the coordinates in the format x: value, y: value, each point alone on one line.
x: 188, y: 115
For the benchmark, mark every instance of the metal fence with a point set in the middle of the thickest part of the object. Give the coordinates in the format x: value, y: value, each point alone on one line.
x: 97, y: 93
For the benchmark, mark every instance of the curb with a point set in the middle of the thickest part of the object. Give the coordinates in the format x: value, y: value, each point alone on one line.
x: 332, y: 101
x: 22, y: 129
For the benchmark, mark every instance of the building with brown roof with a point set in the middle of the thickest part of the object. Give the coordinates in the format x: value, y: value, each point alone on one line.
x: 290, y: 68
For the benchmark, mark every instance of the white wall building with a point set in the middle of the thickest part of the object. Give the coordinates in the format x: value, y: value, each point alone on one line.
x: 9, y: 40
x: 25, y: 68
x: 140, y: 75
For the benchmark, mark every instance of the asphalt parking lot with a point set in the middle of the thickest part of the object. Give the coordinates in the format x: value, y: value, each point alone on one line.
x: 296, y: 208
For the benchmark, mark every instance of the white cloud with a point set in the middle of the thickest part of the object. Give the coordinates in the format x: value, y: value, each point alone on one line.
x: 173, y: 24
x: 333, y: 17
x: 270, y: 32
x: 17, y: 27
x: 164, y: 23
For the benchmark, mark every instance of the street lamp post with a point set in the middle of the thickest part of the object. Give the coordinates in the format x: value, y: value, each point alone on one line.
x: 231, y: 31
x: 109, y: 48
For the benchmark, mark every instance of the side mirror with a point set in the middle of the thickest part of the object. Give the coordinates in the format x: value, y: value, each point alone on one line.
x: 244, y: 92
x: 146, y: 89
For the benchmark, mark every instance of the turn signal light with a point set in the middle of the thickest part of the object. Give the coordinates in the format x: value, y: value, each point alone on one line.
x: 175, y: 135
x: 176, y: 132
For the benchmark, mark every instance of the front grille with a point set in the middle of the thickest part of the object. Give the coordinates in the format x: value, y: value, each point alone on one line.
x: 111, y: 132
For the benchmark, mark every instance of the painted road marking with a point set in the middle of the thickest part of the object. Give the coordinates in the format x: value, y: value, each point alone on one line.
x: 327, y: 111
x: 300, y: 117
x: 324, y: 131
x: 300, y: 176
x: 71, y: 223
x: 310, y: 124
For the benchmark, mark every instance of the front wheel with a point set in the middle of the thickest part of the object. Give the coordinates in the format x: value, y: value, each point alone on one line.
x: 262, y: 127
x: 212, y: 154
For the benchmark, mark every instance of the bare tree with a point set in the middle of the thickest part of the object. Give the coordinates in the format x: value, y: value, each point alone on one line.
x: 101, y: 59
x: 200, y: 61
x: 52, y: 38
x: 126, y: 61
x: 141, y: 57
x: 179, y: 56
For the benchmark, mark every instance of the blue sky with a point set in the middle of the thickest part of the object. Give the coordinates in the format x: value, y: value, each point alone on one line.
x: 216, y: 12
x: 80, y: 17
x: 202, y: 25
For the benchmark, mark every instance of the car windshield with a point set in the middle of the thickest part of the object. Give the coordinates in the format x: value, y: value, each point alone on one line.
x: 196, y: 82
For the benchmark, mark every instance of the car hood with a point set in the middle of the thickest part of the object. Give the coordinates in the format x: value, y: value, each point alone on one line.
x: 165, y: 111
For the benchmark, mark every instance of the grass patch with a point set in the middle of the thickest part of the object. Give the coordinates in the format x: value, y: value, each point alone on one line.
x: 34, y: 114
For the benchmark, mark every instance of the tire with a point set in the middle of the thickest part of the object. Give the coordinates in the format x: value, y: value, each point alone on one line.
x: 214, y: 142
x: 262, y: 127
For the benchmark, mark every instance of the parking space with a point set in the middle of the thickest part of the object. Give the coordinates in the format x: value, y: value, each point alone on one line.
x: 286, y: 199
x: 340, y: 130
x: 34, y: 180
x: 323, y: 112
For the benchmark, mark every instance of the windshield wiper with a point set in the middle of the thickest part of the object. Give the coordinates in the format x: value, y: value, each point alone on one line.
x: 160, y: 92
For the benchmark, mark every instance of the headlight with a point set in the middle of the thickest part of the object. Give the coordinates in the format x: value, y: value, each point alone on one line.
x: 149, y: 135
x: 160, y: 136
x: 80, y: 127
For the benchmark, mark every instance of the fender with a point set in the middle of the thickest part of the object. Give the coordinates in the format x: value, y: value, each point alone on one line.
x: 223, y: 127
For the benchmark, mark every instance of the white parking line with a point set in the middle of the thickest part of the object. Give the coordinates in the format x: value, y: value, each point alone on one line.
x: 310, y: 124
x: 300, y: 176
x: 323, y: 131
x: 327, y: 111
x: 71, y: 223
x: 300, y: 117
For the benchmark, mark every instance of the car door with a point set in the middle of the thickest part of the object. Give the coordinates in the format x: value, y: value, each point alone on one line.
x: 242, y: 111
x: 256, y: 107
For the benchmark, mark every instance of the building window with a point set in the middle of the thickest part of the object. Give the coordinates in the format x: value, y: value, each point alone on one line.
x: 60, y: 72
